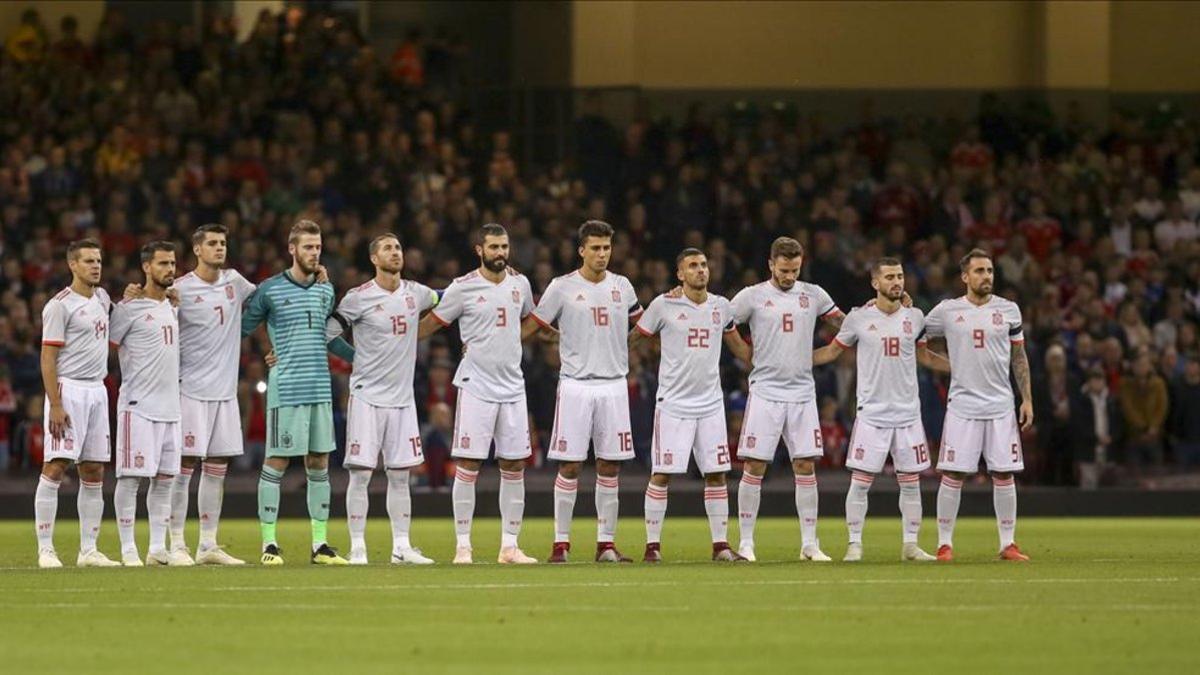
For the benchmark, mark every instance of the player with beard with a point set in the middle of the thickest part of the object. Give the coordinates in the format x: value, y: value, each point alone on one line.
x: 145, y: 331
x: 985, y: 340
x: 888, y: 420
x: 782, y: 314
x: 490, y: 305
x: 381, y: 415
x: 295, y: 306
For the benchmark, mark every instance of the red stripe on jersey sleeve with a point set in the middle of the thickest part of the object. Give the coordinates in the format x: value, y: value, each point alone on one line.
x: 53, y: 343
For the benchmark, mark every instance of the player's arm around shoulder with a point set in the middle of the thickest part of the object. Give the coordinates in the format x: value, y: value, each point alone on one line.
x: 645, y: 325
x: 926, y: 357
x: 845, y: 338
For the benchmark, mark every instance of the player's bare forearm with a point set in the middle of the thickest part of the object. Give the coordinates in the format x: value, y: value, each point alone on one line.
x: 737, y: 346
x: 932, y: 360
x: 50, y: 373
x: 428, y: 326
x: 827, y: 354
x: 1020, y: 367
x: 529, y: 327
x: 835, y: 319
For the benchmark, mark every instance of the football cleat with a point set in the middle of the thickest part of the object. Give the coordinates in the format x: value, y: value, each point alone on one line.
x: 853, y: 552
x: 216, y: 556
x: 560, y: 552
x: 358, y: 556
x: 158, y: 558
x: 410, y: 556
x: 271, y: 556
x: 913, y: 553
x: 131, y: 559
x: 511, y: 555
x: 945, y: 553
x: 462, y: 556
x: 327, y: 555
x: 813, y: 552
x: 1012, y: 552
x: 747, y: 552
x: 179, y: 557
x: 48, y: 559
x: 606, y: 552
x: 722, y: 553
x: 653, y: 553
x: 94, y: 558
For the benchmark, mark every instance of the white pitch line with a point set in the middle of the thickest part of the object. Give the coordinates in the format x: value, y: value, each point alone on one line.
x: 558, y: 609
x: 618, y: 584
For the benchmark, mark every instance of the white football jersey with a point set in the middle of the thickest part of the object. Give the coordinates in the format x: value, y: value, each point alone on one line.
x: 593, y: 319
x: 146, y: 333
x: 489, y: 321
x: 384, y: 324
x: 79, y: 327
x: 689, y: 376
x: 887, y: 363
x: 210, y: 339
x: 979, y: 340
x: 782, y: 324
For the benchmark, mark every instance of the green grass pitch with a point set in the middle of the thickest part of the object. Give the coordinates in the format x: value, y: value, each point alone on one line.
x: 1101, y: 595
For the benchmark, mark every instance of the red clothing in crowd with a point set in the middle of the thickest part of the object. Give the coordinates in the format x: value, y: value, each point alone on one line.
x: 897, y: 205
x: 975, y: 156
x: 1040, y: 234
x: 991, y: 236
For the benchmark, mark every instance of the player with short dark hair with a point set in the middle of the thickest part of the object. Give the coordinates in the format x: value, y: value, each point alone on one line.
x: 888, y: 421
x: 689, y: 417
x: 74, y: 362
x: 985, y: 341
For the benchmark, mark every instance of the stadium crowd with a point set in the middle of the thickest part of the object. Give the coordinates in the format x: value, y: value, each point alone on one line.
x: 130, y: 138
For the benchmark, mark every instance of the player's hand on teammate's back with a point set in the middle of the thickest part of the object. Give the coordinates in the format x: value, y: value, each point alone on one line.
x: 134, y: 291
x: 675, y: 293
x: 271, y: 359
x: 1026, y: 415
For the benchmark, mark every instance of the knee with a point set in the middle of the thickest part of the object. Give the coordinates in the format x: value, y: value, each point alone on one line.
x: 55, y: 468
x: 660, y: 479
x: 570, y: 470
x: 607, y: 469
x: 90, y: 471
x: 188, y: 462
x: 471, y: 464
x: 804, y: 467
x: 714, y: 479
x: 512, y: 465
x: 316, y: 462
x: 755, y: 468
x: 998, y: 476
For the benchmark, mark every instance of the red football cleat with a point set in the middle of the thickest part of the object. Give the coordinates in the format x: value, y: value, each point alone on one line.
x: 722, y: 553
x: 1011, y: 552
x: 945, y: 553
x: 652, y: 554
x: 559, y: 553
x: 607, y: 552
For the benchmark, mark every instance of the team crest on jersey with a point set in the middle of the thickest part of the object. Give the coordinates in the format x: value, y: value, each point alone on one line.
x: 287, y: 439
x: 516, y: 296
x: 804, y: 301
x: 562, y: 445
x: 69, y: 443
x: 716, y: 318
x: 408, y: 300
x: 997, y: 319
x: 465, y: 442
x: 751, y: 441
x: 354, y: 448
x: 189, y: 441
x: 101, y: 328
x: 907, y: 327
x: 616, y: 296
x: 858, y: 453
x: 229, y: 292
x: 139, y: 462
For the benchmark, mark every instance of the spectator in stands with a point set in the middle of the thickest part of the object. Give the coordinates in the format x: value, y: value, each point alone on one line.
x: 1096, y: 424
x: 1144, y: 404
x: 1185, y: 416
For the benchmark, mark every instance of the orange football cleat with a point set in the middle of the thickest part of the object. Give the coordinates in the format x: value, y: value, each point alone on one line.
x: 945, y: 553
x: 1011, y: 552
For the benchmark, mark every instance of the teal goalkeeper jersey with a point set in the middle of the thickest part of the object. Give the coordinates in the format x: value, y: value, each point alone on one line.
x: 295, y: 314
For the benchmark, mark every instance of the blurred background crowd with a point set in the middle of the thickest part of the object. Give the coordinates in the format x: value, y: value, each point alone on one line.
x: 132, y: 137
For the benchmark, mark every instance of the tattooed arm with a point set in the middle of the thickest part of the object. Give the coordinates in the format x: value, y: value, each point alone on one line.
x: 1020, y: 369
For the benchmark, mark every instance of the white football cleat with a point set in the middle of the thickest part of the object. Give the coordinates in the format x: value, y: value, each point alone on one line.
x: 853, y: 553
x: 131, y: 559
x: 180, y: 557
x: 913, y: 553
x: 462, y: 556
x: 216, y: 556
x: 413, y: 556
x: 358, y: 556
x: 94, y: 558
x: 511, y: 555
x: 158, y: 558
x: 48, y: 559
x: 747, y: 552
x: 813, y: 552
